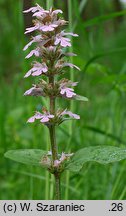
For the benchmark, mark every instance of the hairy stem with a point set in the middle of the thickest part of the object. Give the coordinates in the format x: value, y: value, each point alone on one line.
x: 57, y: 186
x: 52, y: 127
x: 54, y: 147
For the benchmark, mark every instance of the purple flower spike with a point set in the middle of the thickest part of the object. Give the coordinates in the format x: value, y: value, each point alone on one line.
x: 37, y: 70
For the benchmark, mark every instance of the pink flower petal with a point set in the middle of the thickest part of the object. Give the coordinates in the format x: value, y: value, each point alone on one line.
x: 28, y: 92
x: 44, y: 119
x: 73, y: 115
x: 62, y: 91
x: 37, y: 38
x: 28, y: 74
x: 31, y: 120
x: 65, y: 112
x: 28, y: 45
x: 31, y: 29
x: 46, y: 28
x: 50, y: 116
x: 37, y: 69
x: 37, y: 73
x: 33, y: 52
x: 64, y: 42
x: 70, y: 94
x: 57, y: 11
x: 34, y: 91
x: 68, y: 91
x: 72, y: 34
x: 56, y: 163
x: 39, y: 13
x: 38, y: 115
x: 32, y: 9
x: 63, y: 157
x: 71, y: 65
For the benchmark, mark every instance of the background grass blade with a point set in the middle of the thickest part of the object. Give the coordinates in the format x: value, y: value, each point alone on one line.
x: 104, y: 18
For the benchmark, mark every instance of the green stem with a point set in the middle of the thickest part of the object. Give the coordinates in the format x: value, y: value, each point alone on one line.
x: 57, y: 186
x: 47, y: 173
x: 52, y: 127
x: 49, y: 4
x: 54, y: 147
x: 71, y: 60
x: 71, y: 103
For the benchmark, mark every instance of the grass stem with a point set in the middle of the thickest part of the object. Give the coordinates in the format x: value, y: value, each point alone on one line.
x: 71, y: 102
x: 49, y: 4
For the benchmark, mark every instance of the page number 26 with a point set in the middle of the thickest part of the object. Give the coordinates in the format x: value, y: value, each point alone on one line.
x: 117, y: 207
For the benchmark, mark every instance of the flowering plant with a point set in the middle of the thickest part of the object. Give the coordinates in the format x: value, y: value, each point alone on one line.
x: 51, y: 63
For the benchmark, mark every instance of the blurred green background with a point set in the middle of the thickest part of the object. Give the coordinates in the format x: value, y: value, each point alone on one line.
x: 101, y: 50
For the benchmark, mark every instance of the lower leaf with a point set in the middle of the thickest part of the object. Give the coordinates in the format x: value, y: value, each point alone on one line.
x: 34, y: 157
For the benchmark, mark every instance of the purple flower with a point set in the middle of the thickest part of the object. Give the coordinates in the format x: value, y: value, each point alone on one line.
x: 65, y: 89
x: 42, y: 117
x: 55, y: 12
x: 57, y: 163
x: 34, y: 91
x: 33, y: 52
x: 68, y: 92
x: 70, y: 33
x: 70, y: 65
x: 31, y: 29
x: 70, y: 114
x: 37, y: 70
x: 48, y: 27
x: 62, y: 159
x: 32, y: 9
x: 62, y: 40
x: 40, y: 10
x: 61, y: 22
x: 37, y: 38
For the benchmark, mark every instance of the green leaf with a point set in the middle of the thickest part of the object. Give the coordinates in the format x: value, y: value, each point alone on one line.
x: 82, y: 5
x: 28, y: 156
x: 103, y: 18
x: 80, y: 98
x: 100, y: 154
x: 102, y: 132
x: 100, y: 55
